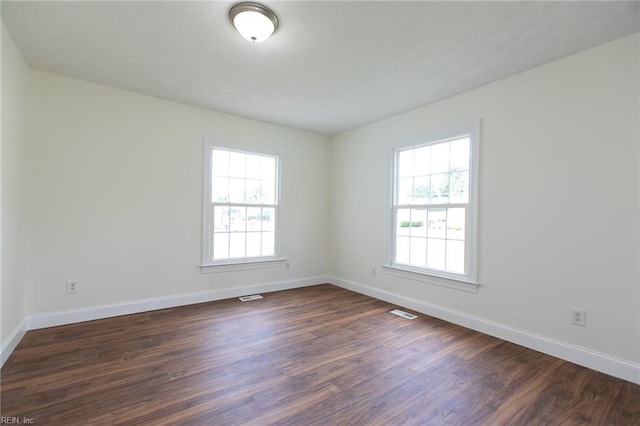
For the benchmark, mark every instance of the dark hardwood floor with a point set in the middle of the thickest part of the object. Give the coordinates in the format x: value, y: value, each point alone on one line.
x: 312, y: 356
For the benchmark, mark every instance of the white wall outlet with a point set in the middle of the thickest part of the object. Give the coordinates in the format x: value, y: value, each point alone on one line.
x: 72, y: 286
x: 373, y: 271
x: 578, y: 317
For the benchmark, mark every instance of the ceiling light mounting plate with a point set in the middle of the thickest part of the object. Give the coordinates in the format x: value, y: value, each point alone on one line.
x: 253, y: 21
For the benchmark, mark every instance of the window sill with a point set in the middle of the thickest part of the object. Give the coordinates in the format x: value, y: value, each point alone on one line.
x: 243, y: 265
x: 429, y: 278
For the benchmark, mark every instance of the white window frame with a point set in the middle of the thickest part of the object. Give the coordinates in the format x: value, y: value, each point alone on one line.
x: 223, y: 265
x: 469, y: 280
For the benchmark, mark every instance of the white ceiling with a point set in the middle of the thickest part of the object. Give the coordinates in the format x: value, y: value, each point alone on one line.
x: 330, y: 67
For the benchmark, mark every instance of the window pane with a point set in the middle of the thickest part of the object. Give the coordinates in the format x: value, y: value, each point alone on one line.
x: 455, y: 224
x: 460, y: 187
x: 237, y: 245
x: 402, y: 249
x: 268, y: 219
x: 268, y: 244
x: 440, y: 158
x: 253, y: 164
x: 254, y: 219
x: 237, y: 220
x: 403, y: 222
x: 220, y: 189
x: 422, y: 161
x: 267, y: 192
x: 220, y: 246
x: 252, y: 191
x: 421, y: 190
x: 405, y: 191
x: 435, y: 254
x: 405, y: 163
x: 437, y: 223
x: 460, y: 154
x: 254, y: 244
x: 440, y: 188
x: 418, y: 254
x: 418, y: 223
x: 268, y: 169
x: 236, y: 190
x: 455, y: 257
x: 219, y: 163
x: 236, y: 164
x: 220, y: 219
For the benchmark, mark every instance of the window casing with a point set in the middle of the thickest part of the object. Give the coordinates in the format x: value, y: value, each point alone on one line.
x: 433, y: 204
x: 241, y: 203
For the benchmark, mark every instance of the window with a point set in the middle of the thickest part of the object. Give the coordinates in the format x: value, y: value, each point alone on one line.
x: 240, y: 213
x: 433, y: 204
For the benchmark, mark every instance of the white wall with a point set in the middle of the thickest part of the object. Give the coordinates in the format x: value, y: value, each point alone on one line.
x: 13, y: 291
x: 114, y: 196
x: 558, y: 201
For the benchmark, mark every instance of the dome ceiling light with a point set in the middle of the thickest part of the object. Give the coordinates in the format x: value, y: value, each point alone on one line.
x: 253, y: 21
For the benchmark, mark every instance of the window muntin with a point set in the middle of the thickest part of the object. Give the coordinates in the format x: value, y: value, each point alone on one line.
x: 242, y: 207
x: 433, y: 206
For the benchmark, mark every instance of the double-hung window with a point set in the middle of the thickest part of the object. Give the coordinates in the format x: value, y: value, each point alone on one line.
x: 241, y: 207
x: 434, y: 204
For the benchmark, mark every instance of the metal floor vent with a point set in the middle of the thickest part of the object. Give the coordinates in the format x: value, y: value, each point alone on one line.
x: 252, y: 297
x: 403, y: 314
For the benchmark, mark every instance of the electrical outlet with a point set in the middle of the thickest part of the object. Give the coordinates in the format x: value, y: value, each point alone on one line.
x: 373, y: 271
x: 578, y: 317
x: 72, y: 286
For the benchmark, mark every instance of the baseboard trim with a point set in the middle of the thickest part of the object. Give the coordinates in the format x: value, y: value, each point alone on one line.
x: 604, y: 363
x: 12, y: 340
x: 585, y: 357
x: 52, y: 319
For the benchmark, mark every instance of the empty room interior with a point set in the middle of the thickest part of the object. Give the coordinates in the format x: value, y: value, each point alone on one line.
x: 433, y: 207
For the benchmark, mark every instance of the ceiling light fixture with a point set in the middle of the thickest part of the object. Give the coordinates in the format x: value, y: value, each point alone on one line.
x: 253, y: 21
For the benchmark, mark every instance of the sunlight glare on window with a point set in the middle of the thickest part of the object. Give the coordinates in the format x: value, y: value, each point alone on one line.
x: 431, y: 202
x: 244, y: 208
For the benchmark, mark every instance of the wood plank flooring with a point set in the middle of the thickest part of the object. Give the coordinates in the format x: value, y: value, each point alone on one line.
x: 319, y: 355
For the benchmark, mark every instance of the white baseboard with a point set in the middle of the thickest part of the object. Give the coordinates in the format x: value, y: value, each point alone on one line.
x: 51, y: 319
x: 585, y: 357
x: 604, y: 363
x: 12, y: 341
